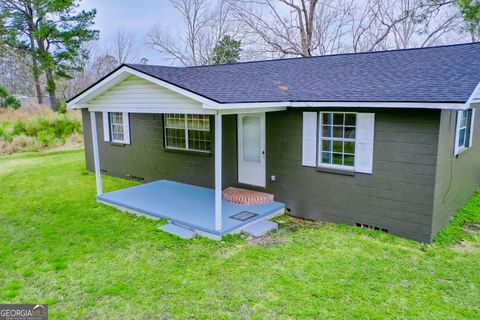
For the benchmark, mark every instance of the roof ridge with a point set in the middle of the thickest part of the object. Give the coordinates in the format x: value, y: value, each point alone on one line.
x: 320, y: 56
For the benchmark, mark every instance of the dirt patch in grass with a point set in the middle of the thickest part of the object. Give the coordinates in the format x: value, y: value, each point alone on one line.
x: 273, y: 239
x: 472, y: 227
x: 470, y: 243
x: 465, y: 246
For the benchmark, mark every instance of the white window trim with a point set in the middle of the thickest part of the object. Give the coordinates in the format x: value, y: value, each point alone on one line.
x: 125, y: 128
x: 469, y: 127
x: 320, y: 144
x: 185, y: 128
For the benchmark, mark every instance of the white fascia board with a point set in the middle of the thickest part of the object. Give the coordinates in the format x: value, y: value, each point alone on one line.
x: 172, y: 87
x: 246, y: 105
x: 97, y: 89
x: 475, y: 93
x: 153, y: 109
x: 393, y: 105
x: 121, y: 74
x: 251, y: 110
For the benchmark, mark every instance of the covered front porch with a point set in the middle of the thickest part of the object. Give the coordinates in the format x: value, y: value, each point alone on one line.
x: 185, y: 123
x: 189, y: 206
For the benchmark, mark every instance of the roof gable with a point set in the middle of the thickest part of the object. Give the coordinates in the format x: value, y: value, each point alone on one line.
x: 134, y: 90
x: 122, y: 73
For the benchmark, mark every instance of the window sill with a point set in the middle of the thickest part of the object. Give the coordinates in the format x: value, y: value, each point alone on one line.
x: 461, y: 151
x: 117, y: 144
x: 192, y: 152
x: 344, y: 172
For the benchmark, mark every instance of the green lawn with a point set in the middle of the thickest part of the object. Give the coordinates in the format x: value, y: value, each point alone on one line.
x: 90, y: 261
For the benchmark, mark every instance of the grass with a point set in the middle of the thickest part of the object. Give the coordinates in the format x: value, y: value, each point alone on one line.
x: 90, y: 261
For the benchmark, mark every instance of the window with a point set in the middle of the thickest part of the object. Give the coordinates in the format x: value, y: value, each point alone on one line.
x: 464, y: 127
x: 187, y: 132
x: 117, y: 129
x: 337, y: 140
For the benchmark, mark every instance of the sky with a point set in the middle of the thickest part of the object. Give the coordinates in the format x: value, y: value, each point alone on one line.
x: 136, y: 17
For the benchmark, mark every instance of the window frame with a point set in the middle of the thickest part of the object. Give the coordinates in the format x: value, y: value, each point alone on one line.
x: 121, y: 125
x: 321, y: 138
x: 186, y: 130
x: 468, y: 127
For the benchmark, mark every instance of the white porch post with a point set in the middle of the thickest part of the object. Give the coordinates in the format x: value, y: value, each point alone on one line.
x: 96, y: 159
x: 218, y: 171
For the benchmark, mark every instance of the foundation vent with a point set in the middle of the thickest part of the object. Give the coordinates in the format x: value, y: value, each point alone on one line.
x: 368, y: 226
x: 136, y: 178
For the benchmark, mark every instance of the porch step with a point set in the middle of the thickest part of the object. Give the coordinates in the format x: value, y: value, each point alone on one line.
x: 179, y: 231
x: 244, y: 196
x: 261, y: 228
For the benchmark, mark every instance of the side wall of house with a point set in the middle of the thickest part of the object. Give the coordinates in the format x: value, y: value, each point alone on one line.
x: 146, y: 156
x: 398, y: 196
x: 457, y: 177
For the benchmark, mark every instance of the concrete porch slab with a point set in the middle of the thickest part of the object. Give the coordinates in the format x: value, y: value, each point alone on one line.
x: 187, y: 205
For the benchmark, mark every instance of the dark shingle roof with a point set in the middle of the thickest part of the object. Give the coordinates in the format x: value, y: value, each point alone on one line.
x: 436, y: 74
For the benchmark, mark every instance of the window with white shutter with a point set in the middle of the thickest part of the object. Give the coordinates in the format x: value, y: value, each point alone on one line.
x: 106, y: 126
x: 364, y: 142
x: 309, y: 137
x: 338, y: 140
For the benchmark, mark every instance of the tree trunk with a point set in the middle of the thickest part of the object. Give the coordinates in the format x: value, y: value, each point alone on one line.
x: 51, y: 88
x: 35, y: 70
x: 36, y: 79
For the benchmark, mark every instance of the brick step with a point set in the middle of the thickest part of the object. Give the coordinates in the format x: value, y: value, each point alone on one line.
x: 244, y: 196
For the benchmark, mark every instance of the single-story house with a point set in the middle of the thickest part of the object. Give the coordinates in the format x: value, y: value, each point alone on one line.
x: 386, y: 140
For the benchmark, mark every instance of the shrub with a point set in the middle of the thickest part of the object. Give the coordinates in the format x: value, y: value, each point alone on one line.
x: 46, y: 138
x: 12, y: 102
x: 7, y: 100
x: 29, y: 130
x: 22, y: 142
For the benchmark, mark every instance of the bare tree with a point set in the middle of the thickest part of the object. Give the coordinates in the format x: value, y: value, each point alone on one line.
x: 425, y: 24
x: 15, y: 71
x: 204, y: 27
x: 286, y: 26
x: 373, y: 23
x: 308, y: 27
x: 123, y: 48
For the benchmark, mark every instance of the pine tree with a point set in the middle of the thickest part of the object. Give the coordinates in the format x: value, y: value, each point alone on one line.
x: 52, y: 31
x: 226, y: 51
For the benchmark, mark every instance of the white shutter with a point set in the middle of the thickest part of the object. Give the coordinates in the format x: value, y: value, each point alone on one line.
x: 106, y: 127
x: 457, y: 137
x: 126, y: 128
x: 309, y: 139
x: 364, y: 142
x: 472, y: 127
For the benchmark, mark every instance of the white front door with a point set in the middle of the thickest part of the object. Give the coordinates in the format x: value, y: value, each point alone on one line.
x: 251, y: 149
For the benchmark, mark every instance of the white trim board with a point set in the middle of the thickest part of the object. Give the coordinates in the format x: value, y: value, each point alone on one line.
x: 392, y: 105
x: 153, y: 109
x: 475, y: 96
